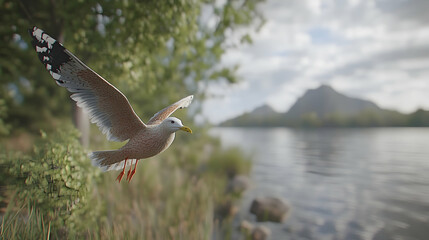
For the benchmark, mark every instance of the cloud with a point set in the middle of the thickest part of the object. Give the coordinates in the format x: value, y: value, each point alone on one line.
x: 373, y: 49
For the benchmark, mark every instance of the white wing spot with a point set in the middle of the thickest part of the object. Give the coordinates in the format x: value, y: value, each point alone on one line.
x: 38, y: 34
x: 56, y: 76
x: 41, y: 49
x: 50, y: 41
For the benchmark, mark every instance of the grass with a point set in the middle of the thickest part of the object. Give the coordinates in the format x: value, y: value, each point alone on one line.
x: 24, y: 223
x: 172, y: 196
x: 160, y: 203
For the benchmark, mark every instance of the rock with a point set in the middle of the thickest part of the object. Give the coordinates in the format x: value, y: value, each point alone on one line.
x: 238, y: 184
x: 254, y: 232
x: 246, y: 227
x: 269, y: 209
x: 260, y: 233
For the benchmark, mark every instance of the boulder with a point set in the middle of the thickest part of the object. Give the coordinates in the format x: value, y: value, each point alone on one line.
x: 260, y: 233
x: 254, y: 232
x: 269, y: 209
x: 238, y: 184
x: 246, y: 227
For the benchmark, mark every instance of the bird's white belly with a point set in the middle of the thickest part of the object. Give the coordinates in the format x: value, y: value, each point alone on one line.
x: 146, y: 146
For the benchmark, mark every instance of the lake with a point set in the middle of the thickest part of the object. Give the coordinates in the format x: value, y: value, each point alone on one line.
x: 364, y: 183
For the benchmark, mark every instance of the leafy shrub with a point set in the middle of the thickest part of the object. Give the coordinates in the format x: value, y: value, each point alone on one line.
x: 229, y: 162
x: 57, y: 179
x: 174, y: 195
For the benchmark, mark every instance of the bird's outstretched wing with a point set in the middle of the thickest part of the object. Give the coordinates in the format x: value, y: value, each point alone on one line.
x: 166, y: 112
x: 106, y: 105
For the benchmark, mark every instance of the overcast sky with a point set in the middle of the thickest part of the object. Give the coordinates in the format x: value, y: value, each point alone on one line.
x: 372, y: 49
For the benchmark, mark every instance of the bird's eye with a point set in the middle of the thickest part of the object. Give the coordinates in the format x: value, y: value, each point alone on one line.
x: 172, y: 121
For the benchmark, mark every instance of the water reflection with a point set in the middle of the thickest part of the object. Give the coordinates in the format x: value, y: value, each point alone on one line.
x: 341, y: 183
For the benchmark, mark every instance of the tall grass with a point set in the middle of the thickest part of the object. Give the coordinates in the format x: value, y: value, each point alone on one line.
x: 160, y: 203
x: 24, y: 223
x: 172, y: 196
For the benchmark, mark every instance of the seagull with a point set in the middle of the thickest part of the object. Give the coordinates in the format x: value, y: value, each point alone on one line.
x: 109, y: 109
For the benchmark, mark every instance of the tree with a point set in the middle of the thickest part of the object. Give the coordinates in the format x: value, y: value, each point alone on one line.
x: 153, y: 51
x: 310, y: 120
x: 419, y: 118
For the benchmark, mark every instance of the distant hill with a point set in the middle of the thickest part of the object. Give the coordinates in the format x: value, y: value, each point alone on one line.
x: 325, y: 107
x: 260, y: 116
x: 324, y: 101
x: 263, y: 111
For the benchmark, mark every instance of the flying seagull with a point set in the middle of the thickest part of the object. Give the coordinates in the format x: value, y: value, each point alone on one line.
x: 109, y: 109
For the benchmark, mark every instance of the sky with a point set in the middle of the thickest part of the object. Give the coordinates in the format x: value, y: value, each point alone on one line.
x: 372, y: 49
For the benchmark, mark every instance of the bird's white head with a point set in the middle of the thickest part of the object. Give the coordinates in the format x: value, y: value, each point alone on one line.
x: 173, y: 124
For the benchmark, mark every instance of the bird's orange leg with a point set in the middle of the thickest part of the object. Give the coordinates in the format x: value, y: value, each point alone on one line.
x: 134, y: 170
x: 129, y: 170
x: 121, y: 174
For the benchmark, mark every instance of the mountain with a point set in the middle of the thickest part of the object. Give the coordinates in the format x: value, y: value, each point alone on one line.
x: 419, y: 118
x: 260, y: 116
x: 263, y: 111
x: 325, y: 107
x: 324, y: 101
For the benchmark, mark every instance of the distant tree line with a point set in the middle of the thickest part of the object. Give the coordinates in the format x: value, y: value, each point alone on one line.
x: 368, y: 118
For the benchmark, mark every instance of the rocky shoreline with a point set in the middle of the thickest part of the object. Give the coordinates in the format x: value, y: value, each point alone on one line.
x: 263, y: 209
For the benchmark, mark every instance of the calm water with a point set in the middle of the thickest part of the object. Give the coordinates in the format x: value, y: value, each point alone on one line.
x: 340, y: 183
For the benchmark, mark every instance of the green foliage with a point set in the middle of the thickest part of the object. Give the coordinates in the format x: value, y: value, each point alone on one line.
x: 310, y: 120
x: 153, y: 51
x: 249, y: 120
x: 228, y: 163
x: 56, y: 179
x: 173, y: 195
x: 419, y: 118
x: 366, y: 118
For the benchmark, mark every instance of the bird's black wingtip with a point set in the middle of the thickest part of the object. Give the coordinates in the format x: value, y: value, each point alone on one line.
x: 33, y: 38
x: 30, y: 30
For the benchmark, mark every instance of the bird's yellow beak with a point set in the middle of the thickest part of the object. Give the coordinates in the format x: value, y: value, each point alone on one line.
x: 186, y: 129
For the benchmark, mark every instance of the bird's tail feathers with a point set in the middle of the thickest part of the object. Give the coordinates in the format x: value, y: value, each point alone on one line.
x: 108, y: 160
